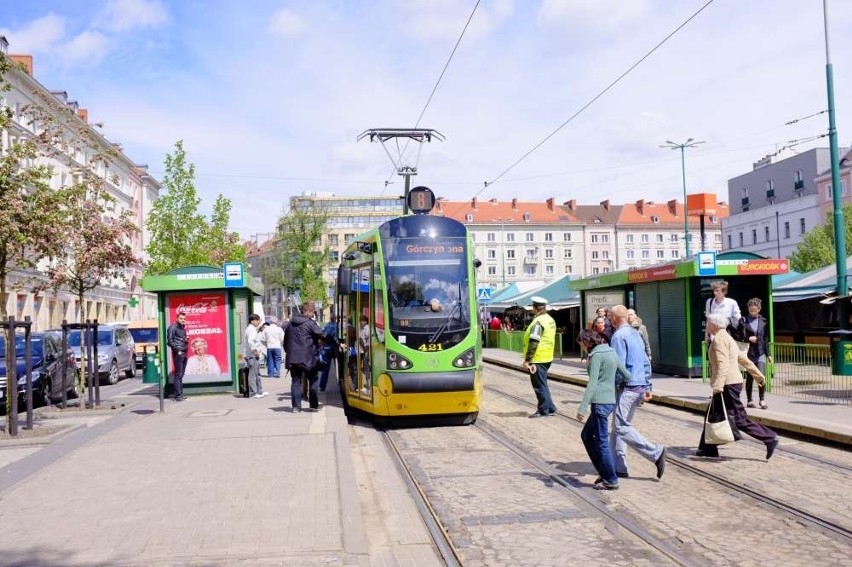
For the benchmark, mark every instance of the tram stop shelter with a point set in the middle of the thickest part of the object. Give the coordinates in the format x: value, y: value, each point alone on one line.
x: 671, y: 299
x: 217, y: 303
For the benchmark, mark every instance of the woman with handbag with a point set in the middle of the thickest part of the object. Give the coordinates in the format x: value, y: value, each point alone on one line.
x: 727, y: 380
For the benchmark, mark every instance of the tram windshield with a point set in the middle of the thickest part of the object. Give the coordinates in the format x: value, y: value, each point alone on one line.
x: 428, y: 294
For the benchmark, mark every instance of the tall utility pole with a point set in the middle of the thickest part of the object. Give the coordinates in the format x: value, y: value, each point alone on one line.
x: 839, y: 225
x: 419, y: 135
x: 673, y: 146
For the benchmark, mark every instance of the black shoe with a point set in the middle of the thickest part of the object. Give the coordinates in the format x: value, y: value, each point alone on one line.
x: 706, y: 454
x: 537, y: 414
x: 604, y: 485
x: 599, y: 480
x: 770, y: 448
x: 622, y: 475
x: 661, y: 463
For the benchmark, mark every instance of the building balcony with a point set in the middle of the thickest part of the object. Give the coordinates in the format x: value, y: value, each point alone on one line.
x: 529, y: 260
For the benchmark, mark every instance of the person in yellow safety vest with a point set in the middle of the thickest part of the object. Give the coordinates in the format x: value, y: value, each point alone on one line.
x: 539, y: 341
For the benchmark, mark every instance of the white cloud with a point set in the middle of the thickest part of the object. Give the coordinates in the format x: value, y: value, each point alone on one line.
x: 123, y: 15
x: 286, y: 23
x: 89, y: 46
x: 38, y: 36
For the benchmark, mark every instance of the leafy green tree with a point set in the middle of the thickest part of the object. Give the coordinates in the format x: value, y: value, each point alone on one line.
x: 180, y: 235
x: 816, y: 250
x: 302, y: 256
x: 30, y: 227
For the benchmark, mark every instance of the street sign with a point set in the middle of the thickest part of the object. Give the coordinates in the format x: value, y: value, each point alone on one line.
x: 706, y: 263
x: 483, y: 294
x: 234, y: 275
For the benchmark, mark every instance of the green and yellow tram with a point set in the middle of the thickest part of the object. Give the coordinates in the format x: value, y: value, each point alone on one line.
x: 406, y: 301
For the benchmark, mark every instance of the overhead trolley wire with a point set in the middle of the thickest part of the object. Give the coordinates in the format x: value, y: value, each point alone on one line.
x: 593, y: 100
x: 432, y: 94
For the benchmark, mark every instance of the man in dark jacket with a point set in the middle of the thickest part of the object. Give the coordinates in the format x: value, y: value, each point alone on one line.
x: 176, y: 340
x: 300, y: 346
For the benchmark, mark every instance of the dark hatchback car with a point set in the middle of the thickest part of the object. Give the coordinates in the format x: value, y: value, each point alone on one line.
x: 46, y: 367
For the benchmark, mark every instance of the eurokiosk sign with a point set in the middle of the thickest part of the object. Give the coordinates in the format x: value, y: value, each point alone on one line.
x: 671, y: 298
x: 217, y: 308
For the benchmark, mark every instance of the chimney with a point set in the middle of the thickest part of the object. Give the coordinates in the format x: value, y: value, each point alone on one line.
x: 640, y: 206
x: 473, y: 203
x: 83, y: 114
x: 514, y: 204
x: 605, y: 205
x: 672, y: 206
x: 550, y: 204
x: 25, y: 60
x: 572, y: 204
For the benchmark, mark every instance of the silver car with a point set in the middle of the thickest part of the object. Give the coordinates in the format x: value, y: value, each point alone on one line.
x: 116, y: 351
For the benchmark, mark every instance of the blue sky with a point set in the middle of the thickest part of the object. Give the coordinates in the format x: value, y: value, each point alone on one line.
x: 269, y: 96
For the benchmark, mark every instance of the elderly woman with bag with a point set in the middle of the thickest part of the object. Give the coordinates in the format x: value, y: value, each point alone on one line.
x: 726, y: 380
x: 600, y: 395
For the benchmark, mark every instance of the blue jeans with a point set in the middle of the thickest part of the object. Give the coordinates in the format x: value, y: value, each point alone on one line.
x: 596, y: 440
x: 323, y: 377
x: 541, y: 389
x: 623, y: 432
x: 273, y: 362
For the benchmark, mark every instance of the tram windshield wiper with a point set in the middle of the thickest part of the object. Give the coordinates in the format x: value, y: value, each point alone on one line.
x: 445, y: 324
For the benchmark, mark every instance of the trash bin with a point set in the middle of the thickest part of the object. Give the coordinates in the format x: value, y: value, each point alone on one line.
x: 151, y: 368
x: 841, y: 352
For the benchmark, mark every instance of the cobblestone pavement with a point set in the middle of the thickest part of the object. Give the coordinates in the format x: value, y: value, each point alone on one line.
x: 703, y: 519
x: 500, y: 510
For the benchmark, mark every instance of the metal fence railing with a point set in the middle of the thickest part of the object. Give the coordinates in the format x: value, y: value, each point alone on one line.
x: 514, y: 341
x: 804, y: 371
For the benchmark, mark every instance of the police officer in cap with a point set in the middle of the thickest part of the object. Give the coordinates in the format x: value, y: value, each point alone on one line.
x: 539, y: 342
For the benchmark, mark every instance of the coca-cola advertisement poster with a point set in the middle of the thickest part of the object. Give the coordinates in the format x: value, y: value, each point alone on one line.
x: 206, y: 333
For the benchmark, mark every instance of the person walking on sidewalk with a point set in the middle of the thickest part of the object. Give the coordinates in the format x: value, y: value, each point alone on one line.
x: 274, y: 341
x: 176, y: 339
x: 600, y: 394
x: 300, y: 349
x: 539, y: 342
x: 754, y: 331
x: 727, y: 380
x: 252, y: 349
x: 632, y: 390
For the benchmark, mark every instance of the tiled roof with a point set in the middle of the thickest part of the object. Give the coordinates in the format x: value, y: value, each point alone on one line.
x: 671, y: 213
x: 508, y: 211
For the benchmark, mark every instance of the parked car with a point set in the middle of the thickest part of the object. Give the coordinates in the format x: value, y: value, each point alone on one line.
x: 47, y: 363
x: 116, y: 351
x: 146, y: 334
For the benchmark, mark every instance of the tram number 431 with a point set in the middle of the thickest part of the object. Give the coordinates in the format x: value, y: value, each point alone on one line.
x: 430, y: 347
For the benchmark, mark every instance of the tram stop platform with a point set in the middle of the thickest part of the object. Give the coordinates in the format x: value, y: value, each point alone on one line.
x: 800, y: 416
x: 214, y: 480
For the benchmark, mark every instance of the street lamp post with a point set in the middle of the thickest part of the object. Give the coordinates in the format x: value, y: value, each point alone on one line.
x: 502, y: 222
x: 673, y: 146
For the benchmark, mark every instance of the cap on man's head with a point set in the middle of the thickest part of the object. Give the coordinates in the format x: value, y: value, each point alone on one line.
x: 538, y: 301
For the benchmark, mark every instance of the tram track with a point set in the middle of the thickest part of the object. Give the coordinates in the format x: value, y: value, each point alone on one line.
x: 576, y: 392
x: 784, y: 507
x: 546, y: 472
x: 442, y: 540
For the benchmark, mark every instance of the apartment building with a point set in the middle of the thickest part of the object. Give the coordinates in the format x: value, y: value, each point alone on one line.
x: 781, y: 199
x: 348, y: 216
x: 128, y: 183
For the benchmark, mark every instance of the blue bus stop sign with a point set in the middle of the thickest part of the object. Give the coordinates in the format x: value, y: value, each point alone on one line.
x: 483, y: 295
x: 234, y: 275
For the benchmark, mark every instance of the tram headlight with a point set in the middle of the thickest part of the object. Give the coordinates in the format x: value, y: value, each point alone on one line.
x: 398, y: 362
x: 464, y: 360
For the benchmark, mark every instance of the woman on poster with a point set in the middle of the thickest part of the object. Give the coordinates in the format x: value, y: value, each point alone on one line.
x: 201, y: 362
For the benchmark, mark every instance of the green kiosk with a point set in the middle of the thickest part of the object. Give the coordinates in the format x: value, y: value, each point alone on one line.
x: 671, y: 298
x: 217, y: 303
